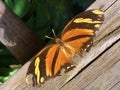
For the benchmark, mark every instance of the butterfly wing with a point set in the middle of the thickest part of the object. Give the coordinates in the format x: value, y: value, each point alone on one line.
x: 48, y: 63
x: 79, y: 32
x: 77, y: 35
x: 37, y: 68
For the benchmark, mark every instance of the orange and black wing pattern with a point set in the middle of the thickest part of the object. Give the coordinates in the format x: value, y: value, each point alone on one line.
x: 75, y: 38
x: 79, y: 32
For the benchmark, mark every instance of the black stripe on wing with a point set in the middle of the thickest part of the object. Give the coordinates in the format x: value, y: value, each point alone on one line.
x: 77, y: 37
x: 54, y: 60
x: 96, y: 18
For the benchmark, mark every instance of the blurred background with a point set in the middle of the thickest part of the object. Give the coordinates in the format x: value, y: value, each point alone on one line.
x: 41, y: 16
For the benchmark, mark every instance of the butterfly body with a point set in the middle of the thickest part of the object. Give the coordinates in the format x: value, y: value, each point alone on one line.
x: 59, y: 42
x: 75, y: 38
x: 69, y: 51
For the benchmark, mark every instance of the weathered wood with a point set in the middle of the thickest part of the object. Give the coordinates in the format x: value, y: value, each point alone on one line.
x: 92, y: 77
x: 108, y: 79
x: 102, y: 60
x: 116, y: 86
x: 16, y: 80
x: 16, y: 36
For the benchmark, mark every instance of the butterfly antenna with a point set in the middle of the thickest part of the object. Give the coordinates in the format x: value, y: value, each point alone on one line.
x: 48, y: 37
x: 53, y: 32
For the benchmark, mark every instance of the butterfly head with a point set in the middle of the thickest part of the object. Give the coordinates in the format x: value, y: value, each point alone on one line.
x: 59, y: 42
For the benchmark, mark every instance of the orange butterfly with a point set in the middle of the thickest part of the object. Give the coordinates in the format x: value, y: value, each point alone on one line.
x: 75, y: 38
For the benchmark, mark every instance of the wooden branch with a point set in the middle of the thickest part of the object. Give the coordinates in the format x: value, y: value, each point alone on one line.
x: 16, y: 36
x: 98, y: 69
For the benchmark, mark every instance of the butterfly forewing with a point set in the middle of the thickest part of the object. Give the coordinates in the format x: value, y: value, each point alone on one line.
x: 79, y: 32
x: 90, y: 19
x: 75, y: 37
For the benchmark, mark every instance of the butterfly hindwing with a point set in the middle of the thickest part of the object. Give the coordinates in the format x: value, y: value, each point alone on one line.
x: 37, y: 68
x: 75, y: 38
x: 48, y: 63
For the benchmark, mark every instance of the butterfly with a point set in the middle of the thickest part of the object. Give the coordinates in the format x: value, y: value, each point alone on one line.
x: 75, y: 38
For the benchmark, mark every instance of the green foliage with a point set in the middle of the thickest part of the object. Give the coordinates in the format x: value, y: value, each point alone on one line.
x: 41, y: 16
x: 19, y: 7
x: 6, y: 73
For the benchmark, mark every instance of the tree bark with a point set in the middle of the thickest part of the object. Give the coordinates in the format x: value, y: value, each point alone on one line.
x: 22, y: 42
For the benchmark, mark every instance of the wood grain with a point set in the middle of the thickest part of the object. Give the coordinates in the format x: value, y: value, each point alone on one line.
x: 108, y: 79
x: 97, y: 69
x: 116, y: 86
